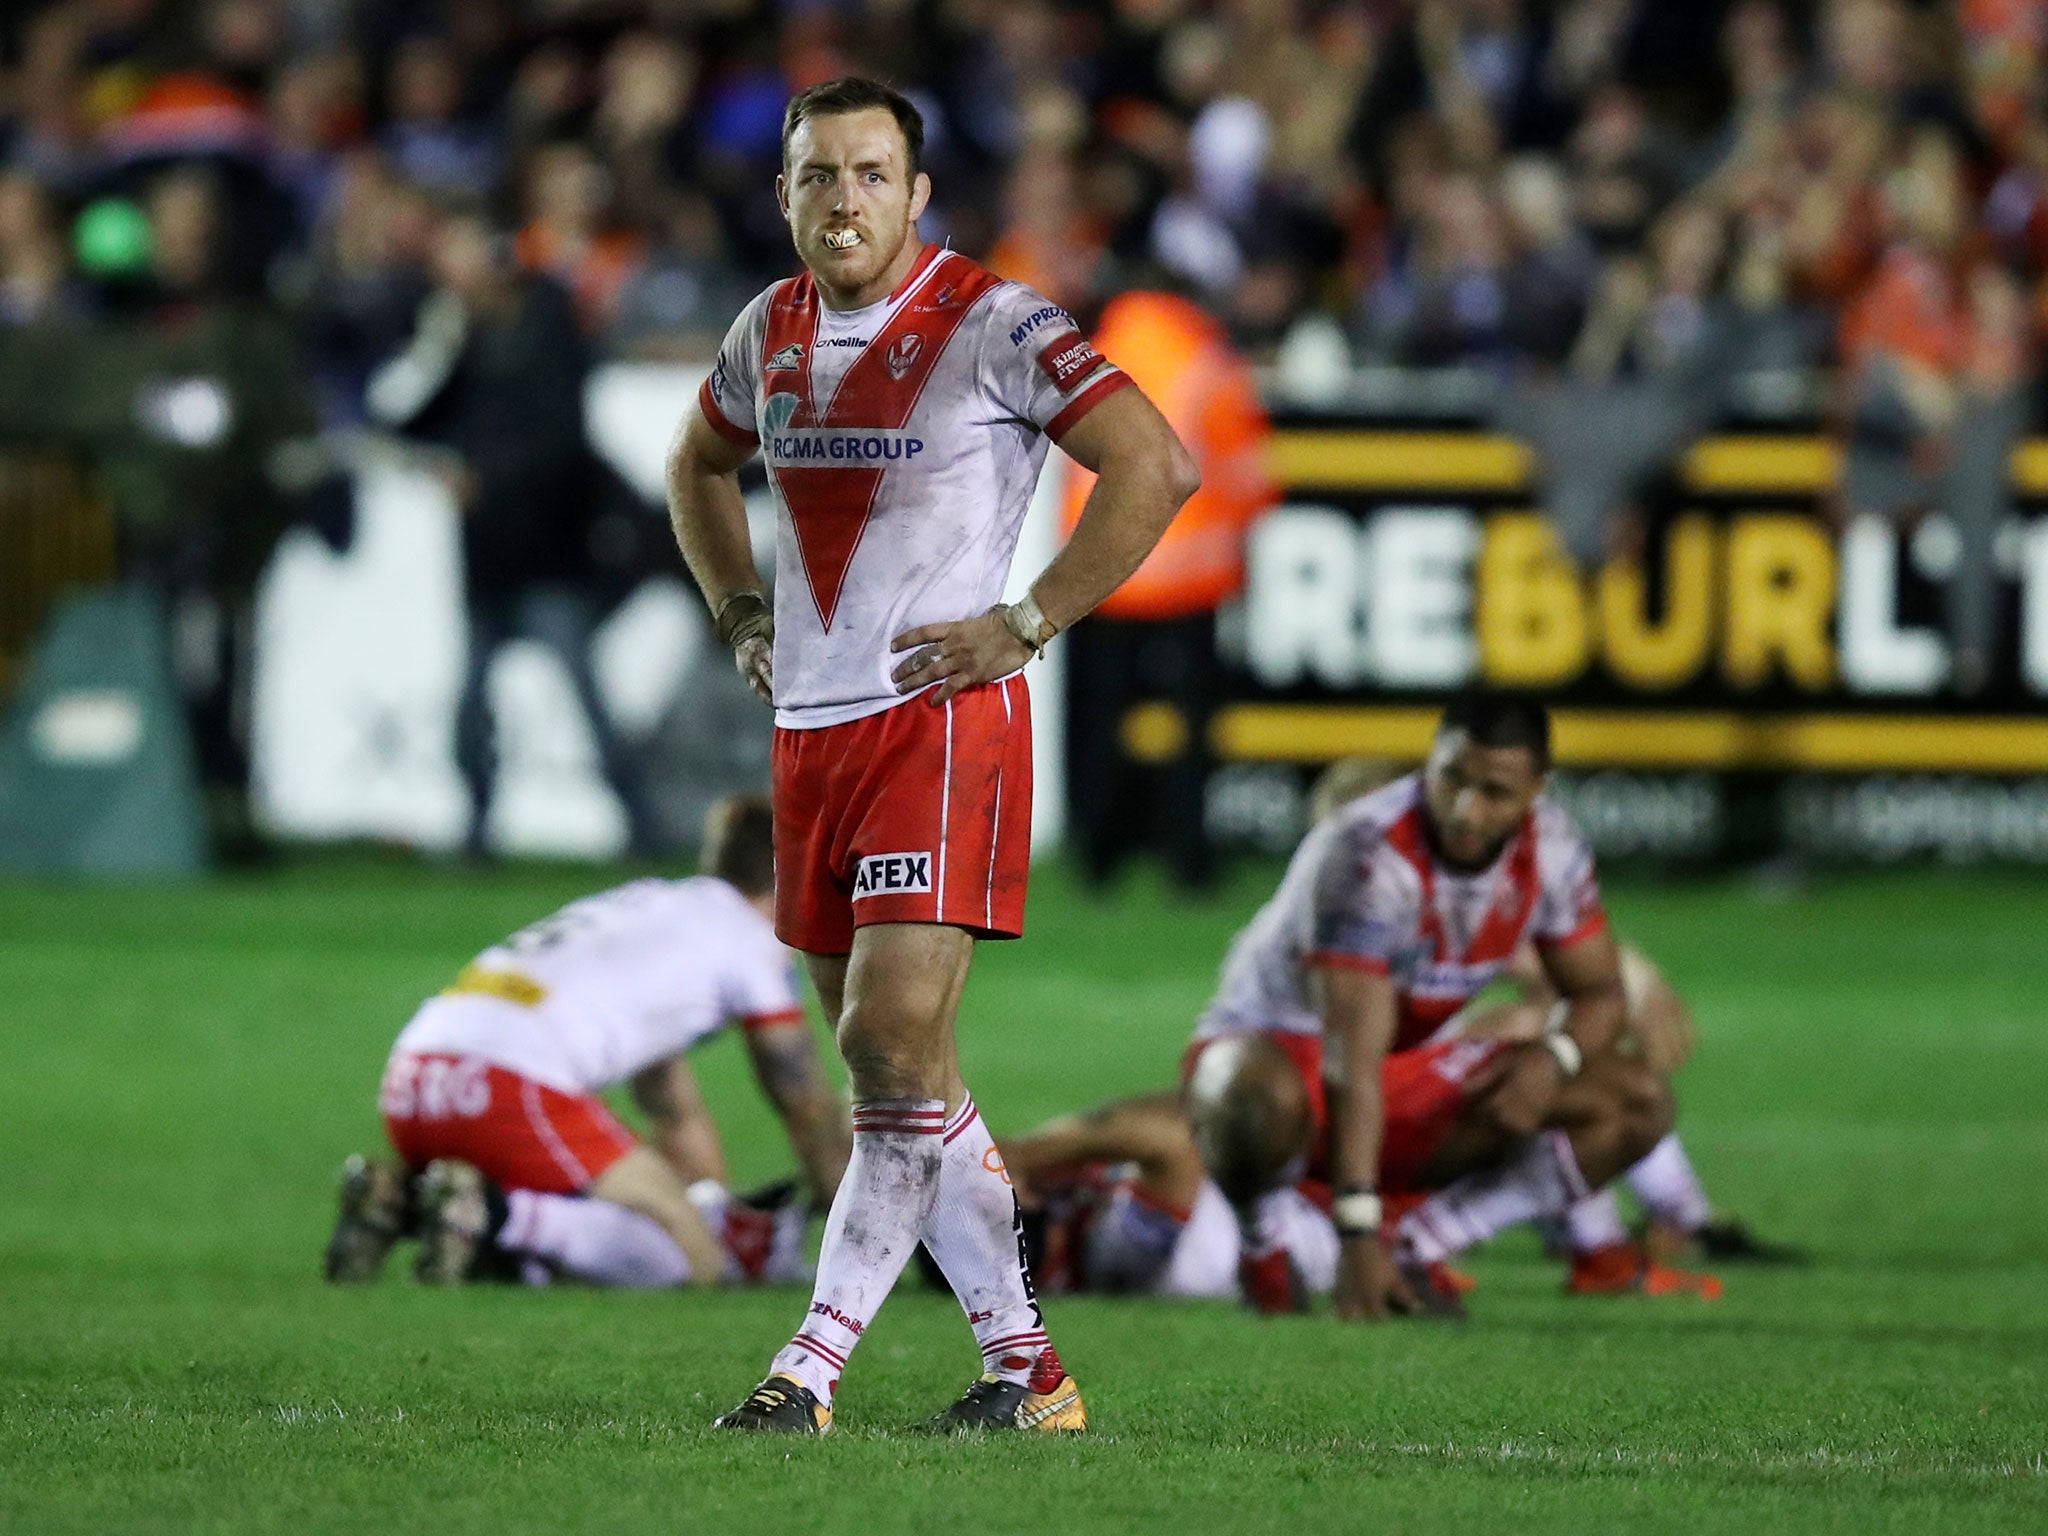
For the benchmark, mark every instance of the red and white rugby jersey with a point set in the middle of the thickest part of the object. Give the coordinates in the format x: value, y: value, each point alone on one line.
x: 1365, y: 890
x: 903, y: 442
x: 614, y: 983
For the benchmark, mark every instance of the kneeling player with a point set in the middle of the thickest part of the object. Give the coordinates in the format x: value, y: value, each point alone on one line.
x: 490, y: 1094
x: 1393, y: 915
x: 1116, y: 1201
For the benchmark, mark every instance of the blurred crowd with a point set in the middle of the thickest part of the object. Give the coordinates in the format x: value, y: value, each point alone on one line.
x: 1600, y: 186
x: 234, y: 230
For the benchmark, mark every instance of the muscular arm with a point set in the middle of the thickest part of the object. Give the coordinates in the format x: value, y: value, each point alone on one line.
x: 1144, y: 474
x: 707, y: 512
x: 1587, y: 975
x: 1359, y: 1015
x: 680, y: 1126
x: 1358, y: 1025
x: 785, y: 1061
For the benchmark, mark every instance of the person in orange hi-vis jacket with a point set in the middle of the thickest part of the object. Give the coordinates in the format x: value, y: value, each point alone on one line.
x: 1141, y: 674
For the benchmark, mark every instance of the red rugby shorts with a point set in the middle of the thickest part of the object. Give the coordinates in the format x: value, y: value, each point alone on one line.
x: 919, y: 814
x: 1422, y: 1094
x: 522, y: 1134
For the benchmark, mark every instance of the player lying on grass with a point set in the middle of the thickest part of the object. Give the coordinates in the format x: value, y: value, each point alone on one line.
x: 493, y: 1087
x: 1658, y: 1030
x: 1317, y: 1055
x: 1116, y: 1201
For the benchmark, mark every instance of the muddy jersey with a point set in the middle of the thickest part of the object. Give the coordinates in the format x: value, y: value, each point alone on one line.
x: 613, y: 984
x: 903, y: 442
x: 1364, y: 890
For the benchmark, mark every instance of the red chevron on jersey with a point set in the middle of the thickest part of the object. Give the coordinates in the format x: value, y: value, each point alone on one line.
x: 829, y: 505
x: 1499, y: 933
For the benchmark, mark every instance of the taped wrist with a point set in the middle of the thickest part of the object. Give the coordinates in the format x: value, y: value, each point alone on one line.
x: 1028, y: 623
x: 743, y: 616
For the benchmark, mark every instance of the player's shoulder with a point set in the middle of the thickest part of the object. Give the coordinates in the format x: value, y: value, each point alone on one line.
x: 1382, y: 818
x: 1024, y: 317
x: 1561, y: 847
x: 1362, y: 844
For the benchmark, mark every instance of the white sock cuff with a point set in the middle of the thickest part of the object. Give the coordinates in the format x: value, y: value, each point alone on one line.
x: 899, y: 1117
x: 961, y: 1118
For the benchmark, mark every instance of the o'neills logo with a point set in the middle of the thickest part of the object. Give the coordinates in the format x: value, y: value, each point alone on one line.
x: 892, y: 874
x: 1068, y: 359
x: 826, y: 1309
x: 902, y: 354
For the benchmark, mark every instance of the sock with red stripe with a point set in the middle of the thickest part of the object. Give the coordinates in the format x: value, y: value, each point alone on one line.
x: 882, y: 1204
x: 975, y: 1233
x: 1542, y: 1179
x: 592, y: 1240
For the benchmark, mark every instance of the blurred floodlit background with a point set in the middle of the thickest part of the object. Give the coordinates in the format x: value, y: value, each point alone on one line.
x: 1675, y: 362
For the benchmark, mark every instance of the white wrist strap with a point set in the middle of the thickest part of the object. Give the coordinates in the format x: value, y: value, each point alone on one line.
x: 1357, y: 1214
x: 1569, y: 1057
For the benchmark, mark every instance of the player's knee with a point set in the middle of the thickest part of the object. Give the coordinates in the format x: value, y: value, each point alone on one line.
x: 1650, y: 1107
x: 886, y: 1055
x: 1250, y: 1113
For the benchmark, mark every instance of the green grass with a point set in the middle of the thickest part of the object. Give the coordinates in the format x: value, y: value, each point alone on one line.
x: 182, y: 1069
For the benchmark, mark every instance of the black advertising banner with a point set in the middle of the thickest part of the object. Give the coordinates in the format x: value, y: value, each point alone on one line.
x: 1751, y: 678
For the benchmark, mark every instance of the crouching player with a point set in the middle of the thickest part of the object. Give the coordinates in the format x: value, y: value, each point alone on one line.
x: 1678, y: 1217
x: 1316, y: 1054
x: 506, y: 1154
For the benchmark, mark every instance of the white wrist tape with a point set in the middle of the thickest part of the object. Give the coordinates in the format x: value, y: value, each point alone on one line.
x: 1569, y: 1057
x: 1357, y: 1213
x: 1028, y: 623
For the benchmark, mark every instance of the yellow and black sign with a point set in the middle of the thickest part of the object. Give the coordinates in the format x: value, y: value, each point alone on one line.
x: 1751, y: 635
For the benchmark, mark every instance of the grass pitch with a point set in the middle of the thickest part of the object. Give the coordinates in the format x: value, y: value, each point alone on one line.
x: 184, y: 1069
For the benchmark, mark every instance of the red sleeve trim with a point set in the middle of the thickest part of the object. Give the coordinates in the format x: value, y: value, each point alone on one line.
x: 1593, y: 926
x: 739, y: 436
x: 1337, y: 960
x: 1088, y: 399
x: 771, y: 1020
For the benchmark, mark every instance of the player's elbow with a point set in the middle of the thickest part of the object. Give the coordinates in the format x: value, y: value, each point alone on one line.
x: 1182, y: 474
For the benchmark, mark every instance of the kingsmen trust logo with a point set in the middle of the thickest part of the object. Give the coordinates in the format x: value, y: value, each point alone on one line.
x: 776, y: 412
x: 902, y: 354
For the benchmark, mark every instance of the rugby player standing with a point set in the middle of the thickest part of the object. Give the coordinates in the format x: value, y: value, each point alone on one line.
x: 903, y: 399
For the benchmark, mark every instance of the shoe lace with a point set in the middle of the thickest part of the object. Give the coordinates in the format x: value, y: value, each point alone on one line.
x: 771, y: 1395
x: 983, y: 1389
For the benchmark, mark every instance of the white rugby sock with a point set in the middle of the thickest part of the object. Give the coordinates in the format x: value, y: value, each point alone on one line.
x: 1261, y: 1227
x: 1665, y: 1183
x: 882, y: 1204
x: 976, y: 1235
x: 1541, y: 1179
x: 592, y: 1240
x: 1594, y: 1222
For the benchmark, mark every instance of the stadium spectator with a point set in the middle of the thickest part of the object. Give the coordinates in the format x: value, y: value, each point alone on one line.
x: 1153, y: 641
x: 494, y: 373
x: 181, y: 396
